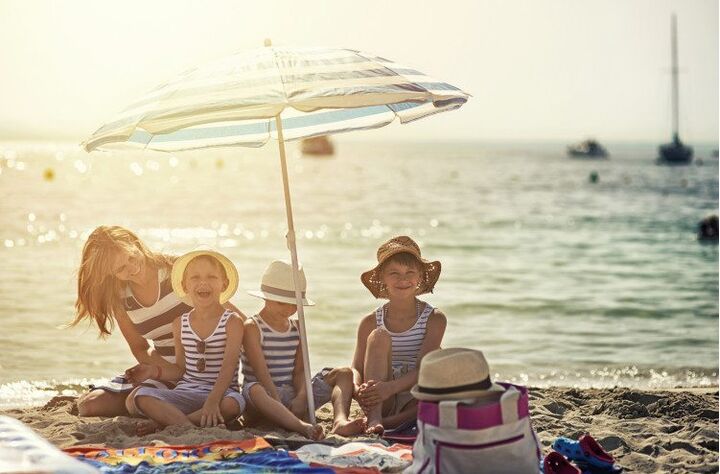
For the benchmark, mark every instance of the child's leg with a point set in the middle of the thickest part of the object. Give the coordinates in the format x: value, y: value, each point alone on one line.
x: 408, y: 413
x: 378, y: 366
x: 341, y: 381
x: 160, y: 411
x: 230, y: 408
x: 280, y: 415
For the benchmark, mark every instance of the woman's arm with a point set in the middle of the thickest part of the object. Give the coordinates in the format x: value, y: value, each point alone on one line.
x: 167, y: 371
x: 254, y: 354
x: 139, y: 346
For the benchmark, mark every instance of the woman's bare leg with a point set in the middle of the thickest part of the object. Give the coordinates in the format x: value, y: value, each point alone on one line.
x: 101, y: 402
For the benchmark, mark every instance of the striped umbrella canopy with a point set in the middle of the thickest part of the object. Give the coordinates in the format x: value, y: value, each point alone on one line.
x: 315, y: 91
x: 282, y: 93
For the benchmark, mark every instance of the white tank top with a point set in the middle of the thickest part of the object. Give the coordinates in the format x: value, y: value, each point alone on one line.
x: 214, y: 350
x: 279, y: 349
x: 406, y: 345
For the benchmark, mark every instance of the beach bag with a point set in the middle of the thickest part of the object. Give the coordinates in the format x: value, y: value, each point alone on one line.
x: 477, y: 436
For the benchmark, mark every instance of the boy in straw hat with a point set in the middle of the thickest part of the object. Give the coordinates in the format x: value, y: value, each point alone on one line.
x: 208, y: 339
x: 392, y: 339
x: 273, y: 364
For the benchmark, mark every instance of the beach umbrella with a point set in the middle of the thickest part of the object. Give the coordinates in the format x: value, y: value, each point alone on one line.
x: 280, y: 93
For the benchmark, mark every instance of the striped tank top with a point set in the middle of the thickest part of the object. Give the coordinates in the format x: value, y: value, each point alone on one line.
x: 279, y: 349
x: 406, y: 345
x: 204, y: 357
x: 154, y: 322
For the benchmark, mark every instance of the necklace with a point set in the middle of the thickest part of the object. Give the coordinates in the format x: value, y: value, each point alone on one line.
x: 417, y: 309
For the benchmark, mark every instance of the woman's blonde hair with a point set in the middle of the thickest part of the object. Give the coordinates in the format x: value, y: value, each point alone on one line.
x: 100, y: 294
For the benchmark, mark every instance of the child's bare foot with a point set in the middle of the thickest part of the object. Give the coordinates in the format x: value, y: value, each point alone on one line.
x: 146, y: 427
x: 374, y: 427
x: 349, y: 427
x: 313, y: 432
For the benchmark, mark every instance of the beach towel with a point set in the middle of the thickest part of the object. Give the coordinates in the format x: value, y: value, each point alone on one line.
x: 252, y: 456
x: 394, y: 458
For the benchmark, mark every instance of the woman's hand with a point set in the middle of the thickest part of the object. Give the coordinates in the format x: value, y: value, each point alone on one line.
x: 210, y: 414
x: 139, y: 373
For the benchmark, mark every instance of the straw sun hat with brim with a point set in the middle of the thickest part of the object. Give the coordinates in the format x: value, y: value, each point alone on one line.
x: 454, y: 374
x: 372, y: 279
x: 277, y: 284
x: 181, y: 264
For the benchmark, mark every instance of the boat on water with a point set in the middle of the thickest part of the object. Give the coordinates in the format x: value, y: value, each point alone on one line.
x: 587, y: 149
x: 675, y: 152
x: 317, y: 146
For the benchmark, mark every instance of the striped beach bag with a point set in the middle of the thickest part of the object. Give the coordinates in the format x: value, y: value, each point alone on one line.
x: 479, y: 435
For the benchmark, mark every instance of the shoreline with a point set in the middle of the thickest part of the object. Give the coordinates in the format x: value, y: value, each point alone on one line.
x: 22, y: 394
x: 667, y: 430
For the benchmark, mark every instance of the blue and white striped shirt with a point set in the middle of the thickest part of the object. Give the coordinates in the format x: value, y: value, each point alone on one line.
x: 279, y: 349
x: 196, y: 379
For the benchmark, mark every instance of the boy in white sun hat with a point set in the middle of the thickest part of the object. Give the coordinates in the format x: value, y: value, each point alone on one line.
x: 273, y: 364
x: 208, y: 340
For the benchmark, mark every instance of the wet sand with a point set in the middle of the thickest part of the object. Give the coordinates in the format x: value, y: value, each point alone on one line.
x: 646, y: 431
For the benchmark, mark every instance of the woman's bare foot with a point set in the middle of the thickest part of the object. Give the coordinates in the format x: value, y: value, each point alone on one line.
x: 349, y: 427
x: 146, y: 427
x: 314, y: 433
x: 374, y: 427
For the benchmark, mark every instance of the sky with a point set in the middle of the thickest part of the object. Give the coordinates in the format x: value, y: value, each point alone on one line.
x: 540, y: 70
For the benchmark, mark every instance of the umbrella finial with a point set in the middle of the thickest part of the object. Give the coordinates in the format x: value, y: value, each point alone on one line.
x: 268, y: 42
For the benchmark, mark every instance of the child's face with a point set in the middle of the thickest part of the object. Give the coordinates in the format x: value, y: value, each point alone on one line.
x: 203, y: 282
x: 128, y: 265
x: 400, y: 280
x: 279, y: 309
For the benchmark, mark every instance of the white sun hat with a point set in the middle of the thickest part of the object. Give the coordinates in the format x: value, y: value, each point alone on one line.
x: 277, y: 284
x: 182, y: 262
x: 454, y: 374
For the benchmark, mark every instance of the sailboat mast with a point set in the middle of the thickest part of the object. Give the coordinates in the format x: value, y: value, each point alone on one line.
x: 675, y: 88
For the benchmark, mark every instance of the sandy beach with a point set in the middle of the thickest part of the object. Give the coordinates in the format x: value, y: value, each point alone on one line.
x: 646, y: 431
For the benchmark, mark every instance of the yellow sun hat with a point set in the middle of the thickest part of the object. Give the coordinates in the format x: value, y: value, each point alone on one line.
x: 182, y: 262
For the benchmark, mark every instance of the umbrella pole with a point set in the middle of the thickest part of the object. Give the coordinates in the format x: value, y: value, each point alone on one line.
x: 293, y: 253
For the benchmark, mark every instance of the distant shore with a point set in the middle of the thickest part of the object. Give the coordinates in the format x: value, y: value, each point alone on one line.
x: 673, y: 430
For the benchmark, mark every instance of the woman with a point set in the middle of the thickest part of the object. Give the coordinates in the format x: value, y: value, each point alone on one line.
x: 121, y: 281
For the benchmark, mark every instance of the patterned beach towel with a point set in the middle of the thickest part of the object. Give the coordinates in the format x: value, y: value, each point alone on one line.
x: 252, y: 456
x: 358, y: 455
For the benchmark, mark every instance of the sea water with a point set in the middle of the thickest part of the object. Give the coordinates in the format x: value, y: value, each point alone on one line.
x: 558, y: 279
